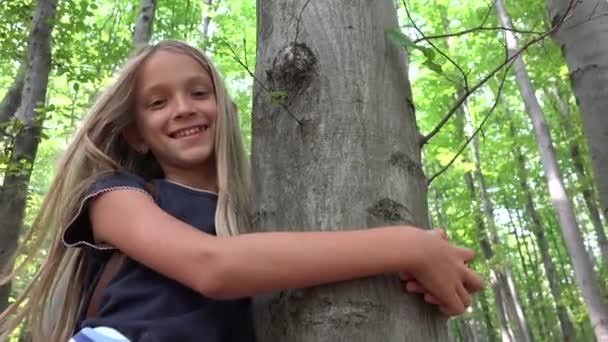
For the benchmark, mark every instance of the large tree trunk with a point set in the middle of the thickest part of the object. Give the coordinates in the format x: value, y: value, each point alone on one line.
x: 13, y: 195
x: 145, y: 20
x: 339, y: 151
x: 583, y: 270
x: 579, y: 168
x: 584, y: 41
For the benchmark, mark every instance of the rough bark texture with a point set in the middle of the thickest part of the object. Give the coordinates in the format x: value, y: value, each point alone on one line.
x: 583, y: 270
x: 14, y: 190
x: 340, y: 152
x: 145, y: 19
x: 584, y: 42
x: 579, y: 168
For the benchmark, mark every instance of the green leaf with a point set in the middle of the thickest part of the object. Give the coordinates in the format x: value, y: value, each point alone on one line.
x: 399, y: 38
x: 434, y: 66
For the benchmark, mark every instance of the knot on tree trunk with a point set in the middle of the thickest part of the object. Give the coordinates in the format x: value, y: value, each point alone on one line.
x: 388, y: 211
x: 292, y: 67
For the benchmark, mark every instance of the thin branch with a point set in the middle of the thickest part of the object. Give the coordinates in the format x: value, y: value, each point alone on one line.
x: 471, y: 30
x: 469, y: 92
x: 464, y: 75
x: 485, y: 119
x: 238, y: 60
x: 299, y: 19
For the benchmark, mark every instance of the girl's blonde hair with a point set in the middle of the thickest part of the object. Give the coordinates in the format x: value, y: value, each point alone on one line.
x: 50, y: 301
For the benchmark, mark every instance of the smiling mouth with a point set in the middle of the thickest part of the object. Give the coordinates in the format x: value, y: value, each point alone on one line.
x: 188, y: 131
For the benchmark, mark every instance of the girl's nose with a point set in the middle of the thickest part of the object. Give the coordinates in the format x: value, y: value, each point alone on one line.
x: 183, y: 107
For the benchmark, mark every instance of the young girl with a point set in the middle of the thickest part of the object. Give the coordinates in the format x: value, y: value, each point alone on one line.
x: 158, y: 172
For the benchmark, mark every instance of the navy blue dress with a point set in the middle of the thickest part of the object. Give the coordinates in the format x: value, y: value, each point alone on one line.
x: 142, y: 304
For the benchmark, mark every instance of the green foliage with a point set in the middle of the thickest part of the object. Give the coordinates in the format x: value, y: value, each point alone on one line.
x: 93, y: 37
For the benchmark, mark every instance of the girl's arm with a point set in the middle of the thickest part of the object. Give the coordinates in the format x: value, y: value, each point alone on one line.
x: 225, y: 268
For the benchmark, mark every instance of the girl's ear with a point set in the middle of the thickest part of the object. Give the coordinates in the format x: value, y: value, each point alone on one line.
x: 135, y: 140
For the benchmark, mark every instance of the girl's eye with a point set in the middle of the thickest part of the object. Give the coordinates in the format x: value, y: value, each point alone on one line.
x: 200, y: 93
x: 158, y: 103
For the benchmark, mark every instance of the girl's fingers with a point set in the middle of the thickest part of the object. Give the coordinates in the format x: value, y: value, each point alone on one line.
x: 405, y: 276
x: 464, y: 295
x: 430, y: 299
x: 466, y: 253
x: 414, y: 287
x: 473, y: 282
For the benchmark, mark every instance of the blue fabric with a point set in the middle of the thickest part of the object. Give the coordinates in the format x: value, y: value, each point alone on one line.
x: 97, y: 335
x: 144, y: 305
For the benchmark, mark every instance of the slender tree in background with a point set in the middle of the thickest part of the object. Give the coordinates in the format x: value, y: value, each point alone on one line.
x: 206, y: 19
x: 145, y: 20
x: 583, y: 270
x: 31, y: 114
x: 567, y: 329
x: 584, y: 41
x: 335, y: 146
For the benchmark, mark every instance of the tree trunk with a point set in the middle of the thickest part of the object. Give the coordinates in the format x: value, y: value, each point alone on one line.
x: 488, y: 253
x: 206, y: 21
x: 503, y: 274
x: 566, y: 326
x: 587, y: 282
x: 489, y: 330
x: 339, y: 151
x: 145, y: 20
x: 13, y: 195
x: 584, y: 42
x: 579, y: 168
x: 535, y: 305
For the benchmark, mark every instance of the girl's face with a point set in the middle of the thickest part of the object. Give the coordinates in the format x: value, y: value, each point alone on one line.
x: 176, y: 112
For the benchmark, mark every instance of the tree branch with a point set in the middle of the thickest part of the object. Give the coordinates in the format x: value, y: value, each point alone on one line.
x: 485, y: 119
x: 468, y: 92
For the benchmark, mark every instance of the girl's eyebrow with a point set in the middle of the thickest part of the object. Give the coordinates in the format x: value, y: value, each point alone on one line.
x: 202, y: 77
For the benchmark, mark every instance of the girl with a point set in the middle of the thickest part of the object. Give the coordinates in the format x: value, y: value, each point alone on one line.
x: 158, y: 172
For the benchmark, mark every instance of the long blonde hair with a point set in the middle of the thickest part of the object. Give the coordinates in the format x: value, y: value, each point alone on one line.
x: 99, y: 147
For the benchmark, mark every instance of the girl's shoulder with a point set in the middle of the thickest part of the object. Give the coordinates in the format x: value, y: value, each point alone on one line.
x: 78, y: 232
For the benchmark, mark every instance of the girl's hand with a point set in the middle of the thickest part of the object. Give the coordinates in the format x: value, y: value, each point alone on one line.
x: 441, y: 274
x: 412, y: 285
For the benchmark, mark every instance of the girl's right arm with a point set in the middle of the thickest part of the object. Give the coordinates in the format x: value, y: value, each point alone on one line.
x: 249, y: 264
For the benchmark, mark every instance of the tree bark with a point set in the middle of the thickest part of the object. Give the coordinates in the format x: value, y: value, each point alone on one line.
x: 13, y: 195
x: 339, y: 151
x: 579, y: 167
x: 585, y: 277
x: 584, y: 41
x: 145, y: 20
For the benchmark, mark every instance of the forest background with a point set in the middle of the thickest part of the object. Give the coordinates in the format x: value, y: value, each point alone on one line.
x: 487, y: 183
